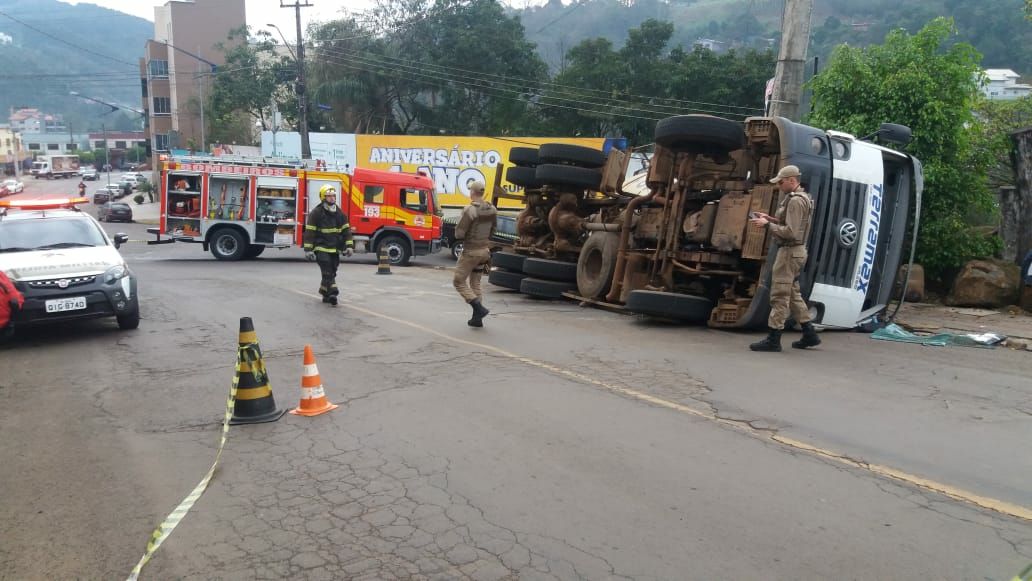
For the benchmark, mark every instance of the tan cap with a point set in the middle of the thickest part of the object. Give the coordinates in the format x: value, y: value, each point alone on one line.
x: 789, y: 171
x: 477, y: 186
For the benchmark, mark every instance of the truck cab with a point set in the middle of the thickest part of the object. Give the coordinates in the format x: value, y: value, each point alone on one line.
x: 397, y: 212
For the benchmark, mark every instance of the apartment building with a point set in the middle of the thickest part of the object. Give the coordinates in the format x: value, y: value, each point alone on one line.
x: 176, y: 69
x: 1003, y: 85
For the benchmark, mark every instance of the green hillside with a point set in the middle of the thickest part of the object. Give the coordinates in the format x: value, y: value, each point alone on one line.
x: 56, y: 48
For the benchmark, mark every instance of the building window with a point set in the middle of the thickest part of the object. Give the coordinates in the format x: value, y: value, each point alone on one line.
x: 52, y: 147
x: 143, y: 86
x: 34, y: 146
x: 119, y: 145
x: 99, y: 144
x: 8, y: 142
x: 162, y: 106
x: 161, y: 142
x: 157, y: 68
x: 72, y: 147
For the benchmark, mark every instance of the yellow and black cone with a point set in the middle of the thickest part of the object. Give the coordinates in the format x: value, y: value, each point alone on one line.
x: 254, y: 403
x: 384, y: 267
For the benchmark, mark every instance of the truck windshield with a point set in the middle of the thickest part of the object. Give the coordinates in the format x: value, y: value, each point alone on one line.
x: 26, y: 235
x: 437, y: 207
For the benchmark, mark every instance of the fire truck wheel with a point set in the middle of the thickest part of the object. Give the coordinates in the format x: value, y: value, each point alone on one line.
x: 700, y: 134
x: 397, y: 248
x: 566, y: 175
x: 506, y: 279
x: 546, y: 289
x: 525, y: 177
x: 524, y: 156
x: 676, y: 306
x: 509, y: 261
x: 575, y: 155
x: 254, y: 250
x: 551, y: 269
x: 228, y: 244
x: 596, y: 264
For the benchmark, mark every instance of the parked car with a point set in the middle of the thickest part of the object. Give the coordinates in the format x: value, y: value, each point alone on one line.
x: 115, y: 212
x: 133, y: 179
x: 504, y: 234
x: 101, y: 196
x: 66, y: 266
x: 14, y: 186
x: 115, y: 190
x: 90, y: 174
x: 4, y: 191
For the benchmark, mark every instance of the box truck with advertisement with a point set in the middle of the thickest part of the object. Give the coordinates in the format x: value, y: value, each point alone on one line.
x: 55, y: 166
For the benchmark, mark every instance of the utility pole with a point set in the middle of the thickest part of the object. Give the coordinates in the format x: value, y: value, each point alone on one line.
x: 302, y: 96
x: 107, y: 161
x: 788, y: 77
x: 200, y: 91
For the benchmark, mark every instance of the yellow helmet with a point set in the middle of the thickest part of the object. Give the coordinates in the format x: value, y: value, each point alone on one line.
x: 325, y: 191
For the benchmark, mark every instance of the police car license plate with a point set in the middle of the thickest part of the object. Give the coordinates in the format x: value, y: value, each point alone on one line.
x: 69, y: 304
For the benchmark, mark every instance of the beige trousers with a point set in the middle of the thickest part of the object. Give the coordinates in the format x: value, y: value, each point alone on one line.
x: 784, y: 293
x: 472, y: 265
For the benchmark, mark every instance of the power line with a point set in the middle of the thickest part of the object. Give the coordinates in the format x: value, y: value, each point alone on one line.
x: 62, y: 41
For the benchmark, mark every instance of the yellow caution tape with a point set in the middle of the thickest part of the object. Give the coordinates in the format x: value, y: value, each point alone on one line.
x: 244, y: 352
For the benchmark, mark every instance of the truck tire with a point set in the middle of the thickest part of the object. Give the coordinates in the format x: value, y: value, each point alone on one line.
x: 551, y: 269
x: 575, y: 155
x: 508, y: 260
x: 524, y: 156
x: 456, y: 249
x: 680, y: 307
x: 228, y: 244
x: 398, y: 251
x: 566, y: 175
x: 506, y: 279
x: 254, y: 251
x: 546, y: 289
x: 596, y: 264
x: 699, y: 134
x: 525, y: 177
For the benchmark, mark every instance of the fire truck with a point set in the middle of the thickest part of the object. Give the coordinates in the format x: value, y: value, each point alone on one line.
x: 238, y: 207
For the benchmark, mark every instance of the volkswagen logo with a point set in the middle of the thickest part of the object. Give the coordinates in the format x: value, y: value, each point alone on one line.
x: 848, y: 232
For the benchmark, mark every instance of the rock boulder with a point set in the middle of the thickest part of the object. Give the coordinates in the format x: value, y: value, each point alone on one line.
x: 986, y: 284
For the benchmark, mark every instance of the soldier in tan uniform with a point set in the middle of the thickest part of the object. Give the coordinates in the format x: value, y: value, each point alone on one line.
x: 474, y: 229
x: 790, y: 227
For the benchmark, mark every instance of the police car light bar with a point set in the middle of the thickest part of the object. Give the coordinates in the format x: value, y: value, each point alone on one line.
x: 48, y: 204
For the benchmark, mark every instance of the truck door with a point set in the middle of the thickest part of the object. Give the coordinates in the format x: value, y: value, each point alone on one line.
x: 378, y: 203
x: 417, y: 213
x: 343, y: 199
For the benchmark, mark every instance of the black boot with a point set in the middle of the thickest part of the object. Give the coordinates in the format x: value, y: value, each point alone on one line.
x: 479, y: 312
x: 326, y: 298
x: 810, y: 338
x: 771, y: 343
x: 332, y: 299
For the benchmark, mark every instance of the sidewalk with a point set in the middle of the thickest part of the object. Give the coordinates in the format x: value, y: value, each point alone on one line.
x: 145, y: 213
x: 932, y: 318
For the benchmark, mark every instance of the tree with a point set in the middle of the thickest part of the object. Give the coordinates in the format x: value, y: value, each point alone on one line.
x: 995, y: 121
x: 929, y: 83
x: 253, y: 79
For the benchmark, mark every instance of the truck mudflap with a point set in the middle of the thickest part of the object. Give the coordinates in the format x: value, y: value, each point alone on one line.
x: 170, y: 239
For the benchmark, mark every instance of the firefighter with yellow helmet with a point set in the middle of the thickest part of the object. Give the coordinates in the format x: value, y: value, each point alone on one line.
x: 327, y: 236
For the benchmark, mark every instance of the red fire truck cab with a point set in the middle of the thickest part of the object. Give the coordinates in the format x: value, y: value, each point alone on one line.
x: 238, y: 207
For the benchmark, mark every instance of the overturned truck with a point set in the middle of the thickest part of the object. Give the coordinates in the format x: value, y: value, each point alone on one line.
x: 676, y: 242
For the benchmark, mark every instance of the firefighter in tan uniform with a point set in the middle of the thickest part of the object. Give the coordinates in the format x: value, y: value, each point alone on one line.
x: 790, y: 227
x: 474, y: 230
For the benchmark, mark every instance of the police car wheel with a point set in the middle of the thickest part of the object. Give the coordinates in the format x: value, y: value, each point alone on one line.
x: 700, y: 134
x: 675, y: 306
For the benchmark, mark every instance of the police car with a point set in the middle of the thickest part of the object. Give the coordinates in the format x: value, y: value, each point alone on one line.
x: 64, y: 264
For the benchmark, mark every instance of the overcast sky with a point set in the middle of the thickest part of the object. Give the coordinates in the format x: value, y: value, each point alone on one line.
x: 260, y: 12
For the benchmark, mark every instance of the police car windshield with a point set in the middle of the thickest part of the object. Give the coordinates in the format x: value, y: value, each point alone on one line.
x: 27, y: 235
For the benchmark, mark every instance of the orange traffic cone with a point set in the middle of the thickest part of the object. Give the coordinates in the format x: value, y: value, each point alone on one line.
x: 313, y: 398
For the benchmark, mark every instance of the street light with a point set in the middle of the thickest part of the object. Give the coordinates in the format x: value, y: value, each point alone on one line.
x: 285, y: 43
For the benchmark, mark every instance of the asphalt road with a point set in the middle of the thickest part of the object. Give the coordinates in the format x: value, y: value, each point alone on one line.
x: 558, y: 442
